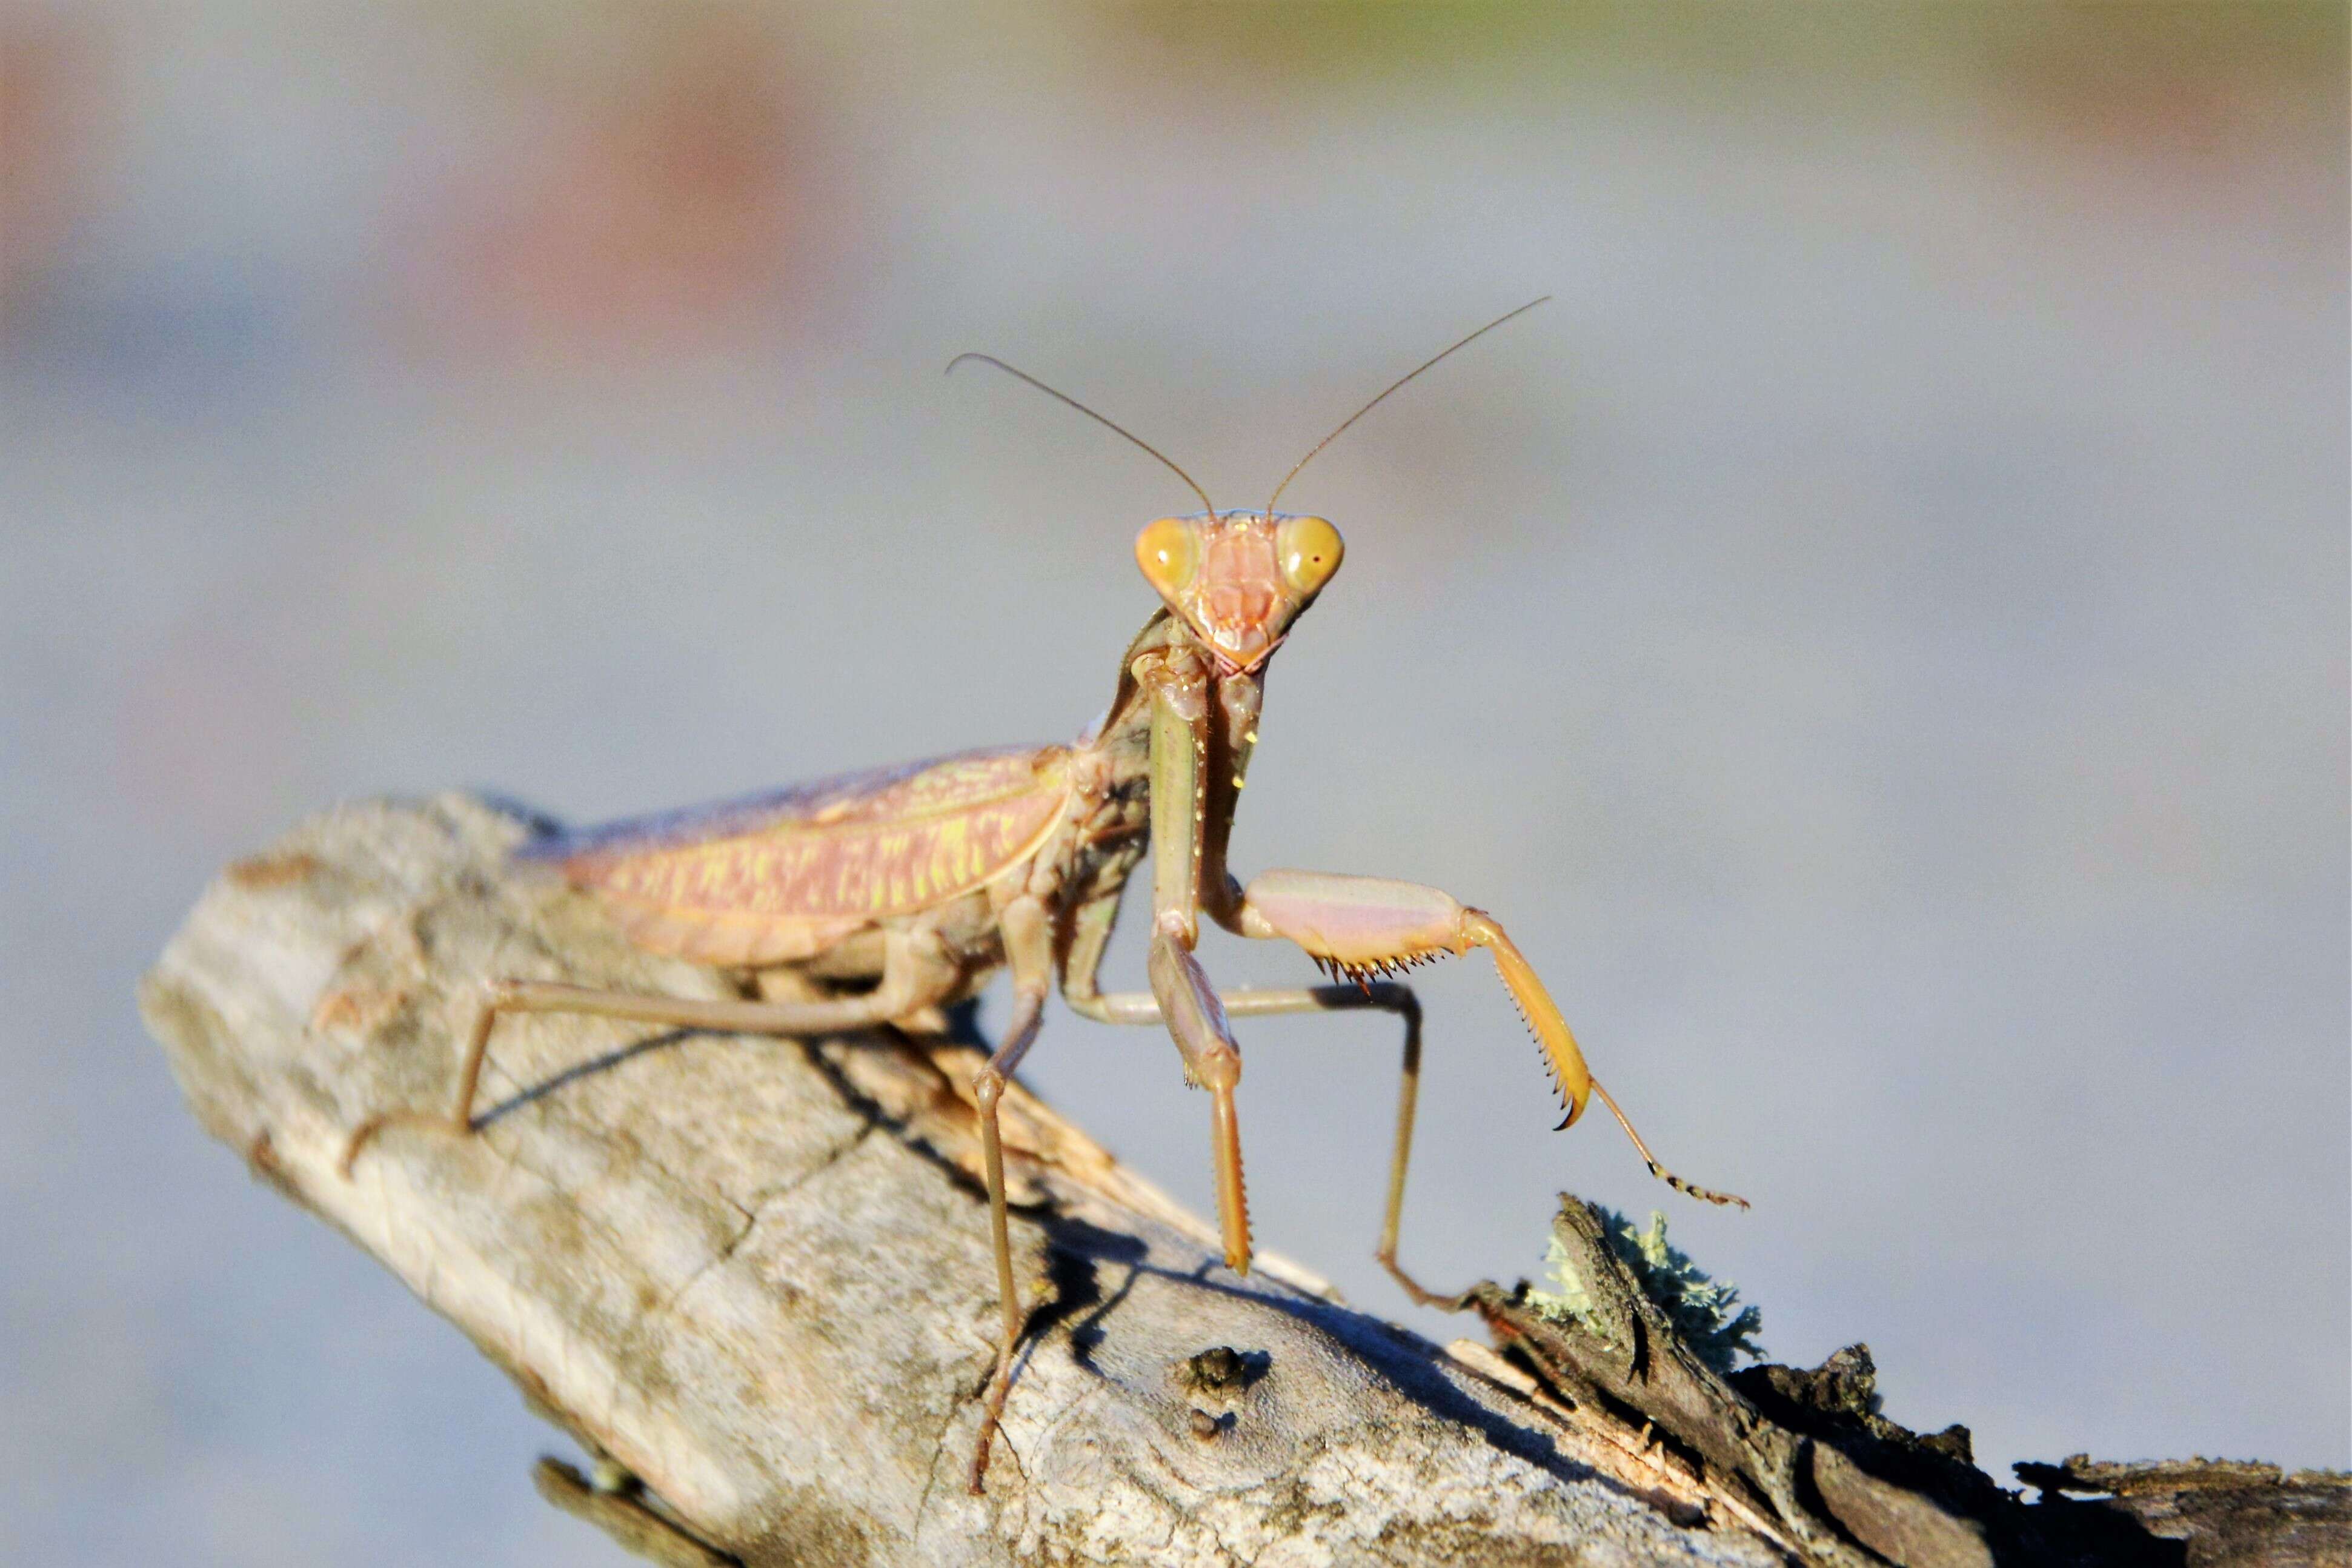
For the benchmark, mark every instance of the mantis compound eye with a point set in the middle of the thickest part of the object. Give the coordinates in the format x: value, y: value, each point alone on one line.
x: 1309, y: 550
x: 1168, y: 551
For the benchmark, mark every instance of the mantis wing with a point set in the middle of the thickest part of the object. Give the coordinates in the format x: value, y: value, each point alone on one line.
x: 777, y: 877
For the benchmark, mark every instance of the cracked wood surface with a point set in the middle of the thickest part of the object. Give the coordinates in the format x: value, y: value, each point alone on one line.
x: 755, y: 1273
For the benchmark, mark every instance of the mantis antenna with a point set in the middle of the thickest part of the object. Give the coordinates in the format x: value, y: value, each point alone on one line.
x: 1399, y: 381
x: 1066, y: 397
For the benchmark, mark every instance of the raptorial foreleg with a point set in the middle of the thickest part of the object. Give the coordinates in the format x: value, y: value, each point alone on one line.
x: 1360, y: 927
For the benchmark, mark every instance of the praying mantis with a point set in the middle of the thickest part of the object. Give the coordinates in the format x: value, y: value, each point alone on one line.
x: 903, y: 889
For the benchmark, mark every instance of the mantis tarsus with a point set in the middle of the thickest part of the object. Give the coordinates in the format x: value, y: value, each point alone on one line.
x: 904, y: 889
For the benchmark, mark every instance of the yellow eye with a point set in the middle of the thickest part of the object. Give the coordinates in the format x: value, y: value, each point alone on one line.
x: 1168, y: 550
x: 1311, y: 549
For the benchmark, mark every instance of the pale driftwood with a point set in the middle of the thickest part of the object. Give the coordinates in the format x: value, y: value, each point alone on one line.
x: 755, y: 1274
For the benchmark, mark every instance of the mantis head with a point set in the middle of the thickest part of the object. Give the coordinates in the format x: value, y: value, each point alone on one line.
x: 1238, y: 579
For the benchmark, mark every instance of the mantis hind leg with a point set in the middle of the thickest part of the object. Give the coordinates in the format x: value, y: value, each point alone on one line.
x: 915, y: 975
x: 1029, y: 949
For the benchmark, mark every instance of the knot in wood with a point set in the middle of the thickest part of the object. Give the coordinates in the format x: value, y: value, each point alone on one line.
x: 1221, y: 1372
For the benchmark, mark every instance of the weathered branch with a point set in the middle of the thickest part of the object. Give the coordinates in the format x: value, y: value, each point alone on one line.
x: 755, y: 1273
x: 752, y: 1277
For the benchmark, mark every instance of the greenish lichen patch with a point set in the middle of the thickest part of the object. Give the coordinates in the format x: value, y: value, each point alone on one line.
x: 1703, y: 1309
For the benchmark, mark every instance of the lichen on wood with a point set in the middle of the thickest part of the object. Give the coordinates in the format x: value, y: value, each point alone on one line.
x: 1807, y: 1458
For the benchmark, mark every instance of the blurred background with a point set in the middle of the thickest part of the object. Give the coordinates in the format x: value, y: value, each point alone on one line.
x: 1878, y: 639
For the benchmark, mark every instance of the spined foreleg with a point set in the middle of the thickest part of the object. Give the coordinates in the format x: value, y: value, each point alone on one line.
x: 1363, y: 926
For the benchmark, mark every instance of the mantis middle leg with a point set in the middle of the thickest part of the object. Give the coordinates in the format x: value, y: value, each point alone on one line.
x: 1081, y: 989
